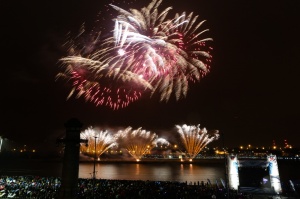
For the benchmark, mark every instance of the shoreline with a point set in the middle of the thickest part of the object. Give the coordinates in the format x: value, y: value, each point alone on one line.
x: 154, y: 161
x: 131, y: 160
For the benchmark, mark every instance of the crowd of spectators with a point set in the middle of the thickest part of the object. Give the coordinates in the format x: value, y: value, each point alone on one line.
x: 29, y: 187
x: 36, y: 187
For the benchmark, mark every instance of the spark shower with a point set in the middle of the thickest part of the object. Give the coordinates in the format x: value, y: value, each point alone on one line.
x: 139, y: 142
x: 146, y: 52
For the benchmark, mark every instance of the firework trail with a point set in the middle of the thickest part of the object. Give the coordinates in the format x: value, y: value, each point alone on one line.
x: 1, y: 141
x: 104, y: 141
x: 195, y: 139
x: 137, y: 142
x: 95, y: 78
x: 145, y: 51
x: 169, y: 53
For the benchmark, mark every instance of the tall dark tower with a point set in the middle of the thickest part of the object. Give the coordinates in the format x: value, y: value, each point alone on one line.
x: 71, y: 159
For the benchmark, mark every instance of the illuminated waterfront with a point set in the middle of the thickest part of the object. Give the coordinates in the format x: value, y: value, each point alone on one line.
x: 159, y: 171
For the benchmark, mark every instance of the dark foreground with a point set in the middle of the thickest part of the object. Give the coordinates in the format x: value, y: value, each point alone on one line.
x: 48, y: 188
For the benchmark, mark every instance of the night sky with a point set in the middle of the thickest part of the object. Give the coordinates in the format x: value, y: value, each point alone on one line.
x: 251, y: 94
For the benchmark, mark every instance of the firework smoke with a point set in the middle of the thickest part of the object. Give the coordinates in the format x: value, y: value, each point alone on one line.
x: 161, y: 142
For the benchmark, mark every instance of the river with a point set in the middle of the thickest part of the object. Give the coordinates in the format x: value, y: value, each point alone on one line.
x: 157, y: 171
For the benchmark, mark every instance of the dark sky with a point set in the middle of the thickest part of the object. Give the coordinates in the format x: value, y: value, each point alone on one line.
x: 251, y: 94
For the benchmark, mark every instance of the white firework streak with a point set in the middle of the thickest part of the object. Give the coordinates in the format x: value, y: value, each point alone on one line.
x: 137, y: 142
x: 104, y: 141
x: 91, y: 87
x: 146, y: 51
x: 155, y: 47
x: 195, y: 139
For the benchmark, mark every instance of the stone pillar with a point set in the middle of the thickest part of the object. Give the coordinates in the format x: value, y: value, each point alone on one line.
x: 69, y: 183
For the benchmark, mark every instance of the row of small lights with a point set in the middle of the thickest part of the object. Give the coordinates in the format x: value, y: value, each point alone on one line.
x: 274, y: 147
x: 25, y: 150
x: 175, y: 146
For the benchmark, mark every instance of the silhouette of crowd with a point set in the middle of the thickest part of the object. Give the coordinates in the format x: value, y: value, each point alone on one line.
x: 48, y: 188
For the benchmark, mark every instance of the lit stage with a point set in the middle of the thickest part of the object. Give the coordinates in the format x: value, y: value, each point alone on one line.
x: 259, y: 176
